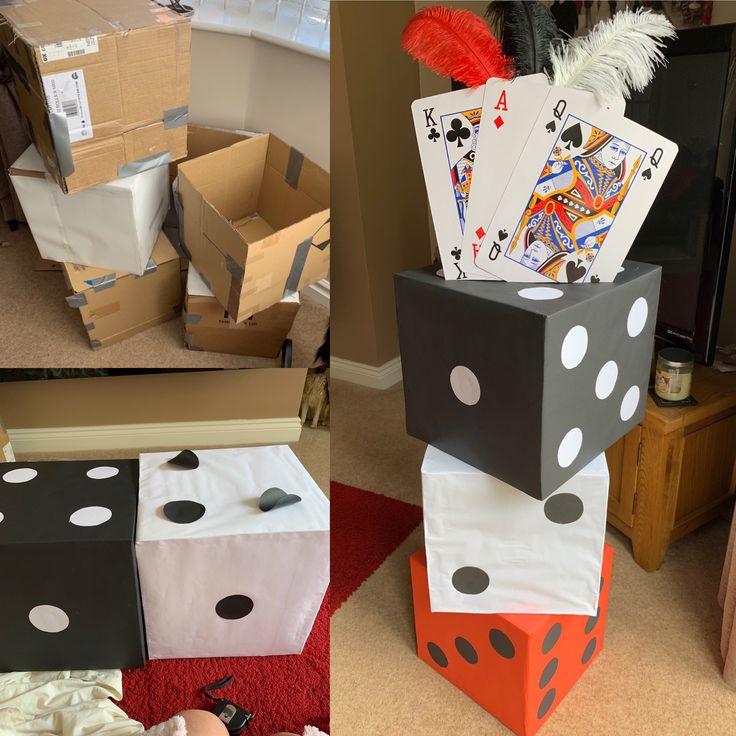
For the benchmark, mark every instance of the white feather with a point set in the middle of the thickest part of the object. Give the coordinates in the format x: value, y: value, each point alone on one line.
x: 617, y: 57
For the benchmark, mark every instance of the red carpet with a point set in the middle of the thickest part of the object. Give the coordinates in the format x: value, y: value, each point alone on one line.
x: 365, y: 529
x: 284, y: 693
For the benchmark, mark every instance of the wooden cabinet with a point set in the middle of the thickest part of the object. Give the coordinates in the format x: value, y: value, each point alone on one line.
x: 675, y: 471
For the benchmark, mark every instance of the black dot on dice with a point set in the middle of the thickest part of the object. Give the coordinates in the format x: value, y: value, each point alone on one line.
x: 551, y: 638
x: 470, y: 580
x: 546, y: 703
x: 592, y: 621
x: 234, y: 607
x: 466, y: 650
x: 183, y: 512
x: 589, y: 650
x: 548, y: 672
x: 563, y: 508
x: 438, y: 656
x: 502, y: 644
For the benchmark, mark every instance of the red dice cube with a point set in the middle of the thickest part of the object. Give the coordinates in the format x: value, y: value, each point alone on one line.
x: 518, y: 667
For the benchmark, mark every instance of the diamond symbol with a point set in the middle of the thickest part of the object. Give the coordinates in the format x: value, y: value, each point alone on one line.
x: 498, y: 122
x: 480, y: 232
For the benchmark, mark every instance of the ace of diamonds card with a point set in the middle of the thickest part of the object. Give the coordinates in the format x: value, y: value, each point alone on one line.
x: 584, y: 184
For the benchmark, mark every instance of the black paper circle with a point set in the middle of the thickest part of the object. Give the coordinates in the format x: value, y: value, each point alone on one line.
x: 233, y: 607
x: 546, y: 703
x: 185, y: 459
x: 592, y: 621
x: 563, y: 508
x: 470, y: 580
x: 551, y: 638
x: 275, y: 498
x: 548, y: 673
x: 502, y: 644
x: 438, y: 656
x: 184, y: 512
x: 466, y: 650
x: 589, y: 650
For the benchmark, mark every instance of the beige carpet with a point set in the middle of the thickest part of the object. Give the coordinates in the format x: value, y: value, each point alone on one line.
x: 660, y: 670
x: 40, y: 330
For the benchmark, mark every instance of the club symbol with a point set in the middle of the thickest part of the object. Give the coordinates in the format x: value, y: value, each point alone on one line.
x: 646, y: 174
x: 595, y: 280
x: 458, y: 132
x: 495, y: 251
x: 433, y: 135
x: 502, y: 235
x: 656, y: 157
x: 455, y: 253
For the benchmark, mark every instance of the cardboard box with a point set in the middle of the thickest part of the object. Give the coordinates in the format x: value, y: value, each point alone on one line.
x: 115, y: 305
x: 70, y: 589
x: 103, y: 86
x: 517, y: 667
x: 6, y: 451
x: 113, y: 225
x: 256, y: 222
x: 207, y: 326
x: 526, y: 382
x: 493, y: 549
x: 249, y: 581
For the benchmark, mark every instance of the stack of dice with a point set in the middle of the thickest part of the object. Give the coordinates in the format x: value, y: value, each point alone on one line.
x: 519, y: 389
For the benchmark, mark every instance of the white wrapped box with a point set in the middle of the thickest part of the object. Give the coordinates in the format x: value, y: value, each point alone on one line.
x: 227, y: 579
x: 112, y: 226
x: 493, y: 549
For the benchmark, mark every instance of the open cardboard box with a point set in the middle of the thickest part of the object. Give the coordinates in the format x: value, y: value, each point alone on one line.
x: 256, y: 222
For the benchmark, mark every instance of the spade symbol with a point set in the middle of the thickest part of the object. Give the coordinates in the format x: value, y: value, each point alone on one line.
x: 572, y: 136
x: 646, y: 174
x: 458, y: 133
x: 574, y: 271
x: 433, y: 135
x: 595, y: 280
x: 502, y: 235
x: 551, y: 126
x: 495, y: 251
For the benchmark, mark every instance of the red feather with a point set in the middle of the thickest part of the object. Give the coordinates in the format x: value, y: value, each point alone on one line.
x: 457, y: 44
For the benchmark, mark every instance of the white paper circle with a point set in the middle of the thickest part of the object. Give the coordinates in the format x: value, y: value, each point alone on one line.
x: 606, y: 380
x: 90, y: 516
x: 465, y: 385
x: 569, y: 447
x: 637, y: 317
x: 574, y: 347
x: 2, y: 516
x: 541, y: 293
x: 20, y: 475
x: 629, y: 403
x: 101, y: 472
x: 441, y: 273
x: 621, y: 269
x: 50, y: 619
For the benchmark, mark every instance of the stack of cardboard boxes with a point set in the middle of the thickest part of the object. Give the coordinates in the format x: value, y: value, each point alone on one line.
x: 104, y: 90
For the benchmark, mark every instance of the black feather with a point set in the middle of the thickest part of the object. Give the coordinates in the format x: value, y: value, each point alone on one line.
x: 526, y: 29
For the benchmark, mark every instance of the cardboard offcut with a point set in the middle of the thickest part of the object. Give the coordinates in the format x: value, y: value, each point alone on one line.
x: 256, y: 222
x: 518, y: 667
x: 207, y: 326
x: 115, y: 305
x: 112, y: 225
x: 525, y: 382
x: 103, y: 86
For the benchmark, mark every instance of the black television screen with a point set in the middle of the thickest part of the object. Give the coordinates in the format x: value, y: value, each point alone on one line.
x: 692, y: 101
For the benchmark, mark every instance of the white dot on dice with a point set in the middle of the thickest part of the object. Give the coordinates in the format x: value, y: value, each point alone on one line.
x: 465, y: 385
x: 102, y: 472
x: 49, y: 619
x: 574, y: 347
x: 541, y: 293
x: 91, y: 516
x: 606, y: 380
x: 2, y: 516
x: 569, y: 447
x: 20, y: 475
x: 629, y: 403
x: 637, y: 317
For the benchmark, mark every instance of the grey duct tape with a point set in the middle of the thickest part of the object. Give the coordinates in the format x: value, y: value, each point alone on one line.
x: 151, y: 267
x: 89, y: 326
x: 294, y: 168
x: 297, y: 266
x: 104, y: 282
x: 20, y: 72
x: 62, y: 143
x: 177, y: 238
x: 206, y: 280
x: 236, y: 284
x: 235, y: 268
x: 144, y: 164
x: 77, y: 300
x: 95, y: 344
x: 189, y: 344
x: 176, y: 116
x: 192, y: 319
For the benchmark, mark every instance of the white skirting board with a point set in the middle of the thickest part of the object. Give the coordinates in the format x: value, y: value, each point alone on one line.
x: 318, y: 292
x: 380, y: 377
x: 168, y: 435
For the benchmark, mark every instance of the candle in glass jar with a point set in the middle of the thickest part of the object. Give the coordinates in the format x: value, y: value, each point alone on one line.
x: 674, y: 373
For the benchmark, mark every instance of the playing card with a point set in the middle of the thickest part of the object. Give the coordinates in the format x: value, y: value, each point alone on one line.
x: 511, y: 107
x: 584, y: 184
x: 447, y: 129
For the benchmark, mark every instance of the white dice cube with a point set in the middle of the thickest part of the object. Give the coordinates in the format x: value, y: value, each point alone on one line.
x: 219, y: 577
x: 493, y: 549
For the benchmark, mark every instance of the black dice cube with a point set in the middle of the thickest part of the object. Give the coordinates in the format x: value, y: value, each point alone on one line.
x: 523, y: 381
x: 67, y: 564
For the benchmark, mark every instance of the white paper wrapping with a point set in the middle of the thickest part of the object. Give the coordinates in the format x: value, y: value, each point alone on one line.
x: 493, y: 549
x: 113, y: 225
x: 279, y: 559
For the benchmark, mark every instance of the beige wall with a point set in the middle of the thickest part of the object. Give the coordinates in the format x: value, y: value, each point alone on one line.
x: 242, y: 83
x: 380, y: 221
